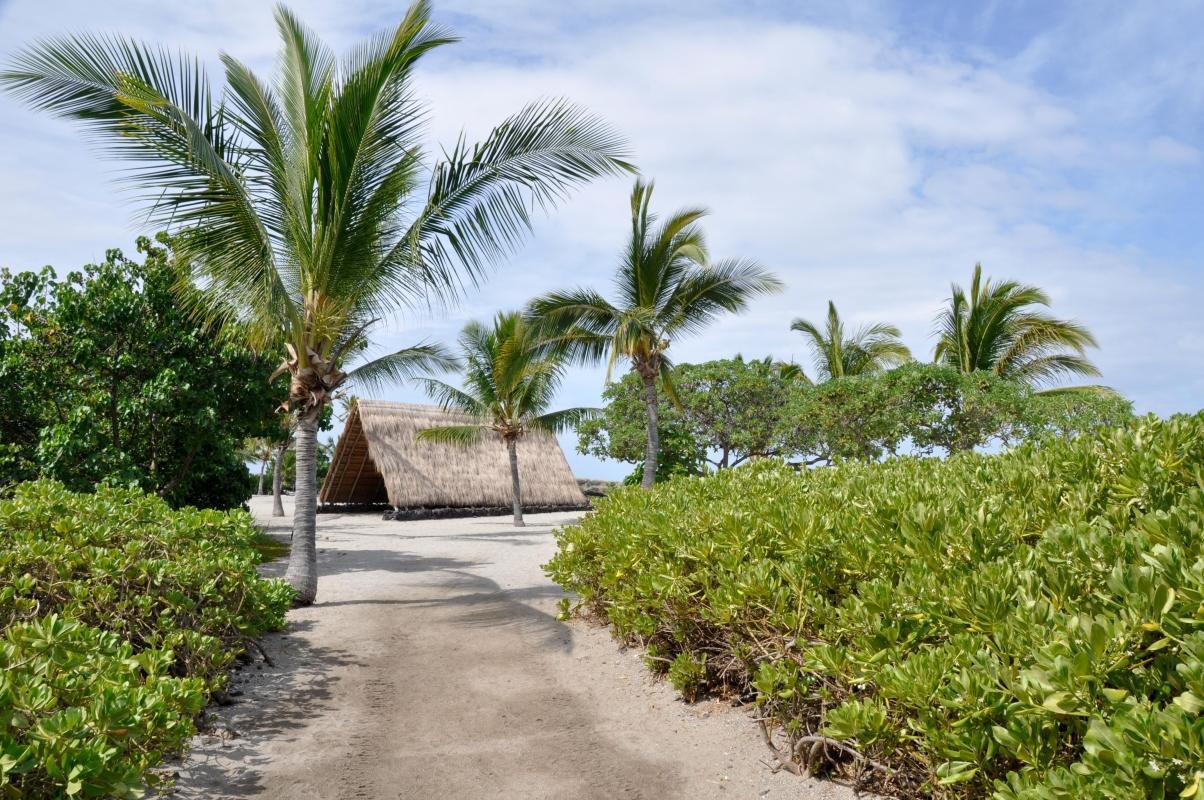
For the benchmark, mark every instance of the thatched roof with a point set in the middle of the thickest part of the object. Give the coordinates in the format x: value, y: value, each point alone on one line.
x: 377, y: 460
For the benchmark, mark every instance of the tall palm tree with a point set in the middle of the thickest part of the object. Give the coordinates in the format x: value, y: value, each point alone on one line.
x: 1000, y: 328
x: 510, y: 378
x: 667, y: 287
x: 871, y: 348
x: 307, y: 210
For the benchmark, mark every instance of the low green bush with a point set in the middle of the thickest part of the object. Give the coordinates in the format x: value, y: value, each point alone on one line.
x: 1025, y: 626
x: 119, y: 617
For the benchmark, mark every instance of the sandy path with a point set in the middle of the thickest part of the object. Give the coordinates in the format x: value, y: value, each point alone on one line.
x: 432, y: 666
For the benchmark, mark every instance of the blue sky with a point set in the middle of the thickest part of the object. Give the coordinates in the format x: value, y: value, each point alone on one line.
x: 869, y: 152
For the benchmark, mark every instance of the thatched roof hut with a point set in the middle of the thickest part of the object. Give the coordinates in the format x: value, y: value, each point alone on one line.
x: 378, y: 461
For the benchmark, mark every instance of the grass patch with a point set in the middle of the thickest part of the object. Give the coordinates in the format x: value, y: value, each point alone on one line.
x: 268, y: 547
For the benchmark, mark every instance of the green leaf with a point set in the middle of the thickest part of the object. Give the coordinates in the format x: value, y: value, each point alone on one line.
x: 1190, y: 703
x: 952, y: 772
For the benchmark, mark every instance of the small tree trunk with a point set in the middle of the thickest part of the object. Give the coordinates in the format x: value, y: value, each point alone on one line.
x: 302, y: 572
x: 263, y: 468
x: 512, y: 447
x: 653, y: 448
x: 278, y: 481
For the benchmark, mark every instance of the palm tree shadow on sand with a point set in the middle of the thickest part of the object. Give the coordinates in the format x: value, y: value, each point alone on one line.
x: 269, y: 701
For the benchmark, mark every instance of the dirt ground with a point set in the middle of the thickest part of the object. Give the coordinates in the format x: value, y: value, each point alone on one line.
x: 432, y: 666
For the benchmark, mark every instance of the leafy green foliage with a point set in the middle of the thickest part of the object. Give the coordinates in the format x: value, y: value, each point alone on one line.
x: 119, y: 616
x: 677, y: 455
x: 930, y: 408
x: 85, y: 717
x: 1026, y: 626
x: 688, y: 674
x: 723, y: 411
x: 107, y: 379
x: 620, y: 431
x: 730, y: 410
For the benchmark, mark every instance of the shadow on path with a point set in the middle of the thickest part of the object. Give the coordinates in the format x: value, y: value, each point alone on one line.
x: 271, y: 702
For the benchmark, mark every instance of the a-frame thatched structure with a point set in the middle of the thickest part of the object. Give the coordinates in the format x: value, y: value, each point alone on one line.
x: 378, y: 461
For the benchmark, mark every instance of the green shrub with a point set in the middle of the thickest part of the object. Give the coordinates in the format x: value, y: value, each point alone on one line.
x: 688, y: 674
x: 1026, y: 626
x: 119, y: 616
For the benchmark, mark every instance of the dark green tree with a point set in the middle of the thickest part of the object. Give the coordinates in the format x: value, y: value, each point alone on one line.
x: 926, y: 409
x: 725, y: 412
x: 115, y: 382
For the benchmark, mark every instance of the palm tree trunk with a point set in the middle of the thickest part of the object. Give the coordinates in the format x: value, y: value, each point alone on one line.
x: 512, y: 446
x: 302, y: 572
x: 263, y: 468
x: 653, y: 448
x: 278, y: 481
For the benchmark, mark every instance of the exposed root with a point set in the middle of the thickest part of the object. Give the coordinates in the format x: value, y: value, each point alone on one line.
x: 809, y: 753
x: 781, y: 761
x: 820, y: 743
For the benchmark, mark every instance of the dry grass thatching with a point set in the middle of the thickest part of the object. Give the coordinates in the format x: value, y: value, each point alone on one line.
x: 377, y: 461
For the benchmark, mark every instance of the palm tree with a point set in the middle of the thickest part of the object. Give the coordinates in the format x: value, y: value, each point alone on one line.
x: 259, y: 450
x: 871, y: 348
x: 667, y: 287
x: 278, y: 475
x: 306, y: 208
x: 510, y: 378
x: 1000, y: 328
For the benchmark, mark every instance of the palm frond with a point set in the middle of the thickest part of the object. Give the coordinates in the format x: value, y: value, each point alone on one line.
x: 154, y: 110
x: 457, y: 435
x: 403, y: 365
x: 1046, y: 369
x: 450, y: 398
x: 1000, y: 327
x: 562, y: 421
x: 725, y: 286
x: 482, y: 196
x: 871, y: 348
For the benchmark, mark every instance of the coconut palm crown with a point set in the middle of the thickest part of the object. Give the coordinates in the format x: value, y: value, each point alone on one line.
x: 1000, y: 327
x: 307, y: 211
x: 510, y: 379
x: 667, y: 287
x: 871, y: 348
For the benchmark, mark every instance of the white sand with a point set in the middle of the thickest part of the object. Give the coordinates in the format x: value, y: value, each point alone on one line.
x: 432, y: 666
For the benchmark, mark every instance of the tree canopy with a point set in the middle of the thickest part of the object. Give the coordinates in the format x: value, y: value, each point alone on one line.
x: 731, y: 410
x: 105, y: 378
